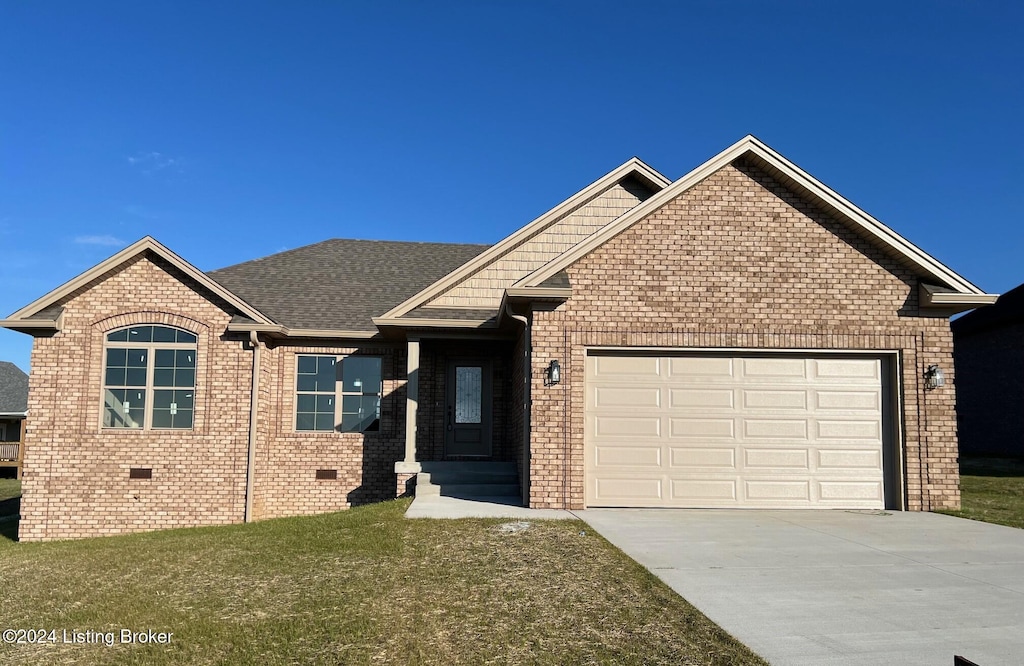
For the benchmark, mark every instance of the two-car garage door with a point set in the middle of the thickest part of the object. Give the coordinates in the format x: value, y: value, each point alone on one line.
x: 719, y: 430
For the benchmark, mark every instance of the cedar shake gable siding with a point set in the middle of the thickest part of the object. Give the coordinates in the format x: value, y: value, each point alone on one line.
x: 737, y: 261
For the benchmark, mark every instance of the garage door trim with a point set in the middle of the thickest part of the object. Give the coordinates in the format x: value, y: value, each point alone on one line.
x: 890, y: 386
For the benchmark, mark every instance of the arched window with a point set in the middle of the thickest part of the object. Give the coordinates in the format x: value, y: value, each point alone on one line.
x: 149, y: 378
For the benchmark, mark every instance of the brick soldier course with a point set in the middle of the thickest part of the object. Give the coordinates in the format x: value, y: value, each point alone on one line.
x: 743, y: 253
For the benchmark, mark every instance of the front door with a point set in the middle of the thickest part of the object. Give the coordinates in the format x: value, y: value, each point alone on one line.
x: 468, y: 409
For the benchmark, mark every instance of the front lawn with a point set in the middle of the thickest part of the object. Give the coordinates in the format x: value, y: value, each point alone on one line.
x: 992, y: 489
x: 362, y: 586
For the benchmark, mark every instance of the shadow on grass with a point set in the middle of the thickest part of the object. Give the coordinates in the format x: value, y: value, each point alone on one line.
x: 992, y: 467
x: 9, y: 510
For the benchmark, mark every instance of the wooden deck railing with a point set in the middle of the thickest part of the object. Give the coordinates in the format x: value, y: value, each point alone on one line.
x: 9, y: 451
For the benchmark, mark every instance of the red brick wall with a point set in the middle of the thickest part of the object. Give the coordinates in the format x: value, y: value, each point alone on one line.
x: 287, y: 460
x: 738, y: 261
x: 76, y: 474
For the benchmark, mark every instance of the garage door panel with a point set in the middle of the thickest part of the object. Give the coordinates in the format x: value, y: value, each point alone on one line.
x: 702, y: 457
x: 774, y: 368
x: 850, y: 459
x: 850, y: 491
x: 772, y: 490
x: 777, y: 458
x: 838, y: 400
x: 774, y: 399
x: 627, y: 490
x: 695, y: 428
x: 847, y: 369
x: 704, y: 491
x: 633, y: 456
x: 850, y: 430
x: 706, y: 398
x: 787, y: 429
x: 621, y: 396
x: 643, y: 367
x: 703, y: 367
x: 624, y: 426
x: 782, y: 431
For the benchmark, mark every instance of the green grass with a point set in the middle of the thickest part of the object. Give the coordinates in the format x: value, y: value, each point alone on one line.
x: 364, y: 586
x: 10, y: 505
x: 9, y: 489
x: 992, y: 490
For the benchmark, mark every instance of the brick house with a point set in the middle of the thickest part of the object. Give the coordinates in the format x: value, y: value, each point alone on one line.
x: 740, y: 337
x: 13, y: 405
x: 988, y: 351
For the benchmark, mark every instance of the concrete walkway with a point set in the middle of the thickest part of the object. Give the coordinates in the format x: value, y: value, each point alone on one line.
x: 498, y: 507
x: 837, y: 587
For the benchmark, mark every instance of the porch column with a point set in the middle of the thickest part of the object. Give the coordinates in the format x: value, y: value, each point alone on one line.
x: 409, y: 465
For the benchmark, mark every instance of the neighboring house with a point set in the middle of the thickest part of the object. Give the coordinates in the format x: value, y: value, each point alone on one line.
x: 740, y: 337
x: 988, y: 347
x: 13, y: 406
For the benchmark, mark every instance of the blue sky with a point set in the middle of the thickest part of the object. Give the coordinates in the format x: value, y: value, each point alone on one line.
x: 232, y: 130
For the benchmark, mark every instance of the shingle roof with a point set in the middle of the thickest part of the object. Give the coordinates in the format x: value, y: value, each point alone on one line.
x: 341, y: 284
x: 1008, y: 309
x: 13, y: 389
x: 473, y: 314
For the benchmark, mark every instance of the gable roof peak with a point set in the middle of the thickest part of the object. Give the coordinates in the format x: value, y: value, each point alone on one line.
x: 633, y: 167
x: 144, y: 244
x: 806, y: 185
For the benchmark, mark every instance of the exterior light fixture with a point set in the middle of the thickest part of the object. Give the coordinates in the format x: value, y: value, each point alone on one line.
x: 933, y: 377
x: 553, y: 373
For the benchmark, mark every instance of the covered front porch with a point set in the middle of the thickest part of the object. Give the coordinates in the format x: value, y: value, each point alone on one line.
x: 465, y: 414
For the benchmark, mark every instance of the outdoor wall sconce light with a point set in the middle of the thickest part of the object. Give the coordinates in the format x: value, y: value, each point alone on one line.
x: 553, y: 373
x: 933, y: 377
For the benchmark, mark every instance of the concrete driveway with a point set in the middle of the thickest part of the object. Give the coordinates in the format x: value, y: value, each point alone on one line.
x: 839, y: 587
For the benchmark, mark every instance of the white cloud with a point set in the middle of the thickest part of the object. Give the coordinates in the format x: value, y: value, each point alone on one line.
x: 99, y: 240
x: 153, y: 161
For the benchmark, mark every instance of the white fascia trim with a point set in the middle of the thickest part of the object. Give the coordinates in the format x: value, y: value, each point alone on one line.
x: 147, y: 243
x: 633, y: 166
x: 750, y: 144
x: 411, y: 322
x: 933, y: 296
x: 283, y: 331
x: 13, y: 415
x: 34, y: 324
x: 539, y: 292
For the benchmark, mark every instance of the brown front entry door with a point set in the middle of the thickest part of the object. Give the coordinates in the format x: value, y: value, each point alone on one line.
x: 468, y: 409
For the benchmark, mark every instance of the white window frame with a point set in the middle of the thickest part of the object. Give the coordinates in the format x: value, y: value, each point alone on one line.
x: 149, y: 389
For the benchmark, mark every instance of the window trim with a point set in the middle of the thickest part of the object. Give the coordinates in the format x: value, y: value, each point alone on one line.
x: 338, y: 393
x: 150, y: 390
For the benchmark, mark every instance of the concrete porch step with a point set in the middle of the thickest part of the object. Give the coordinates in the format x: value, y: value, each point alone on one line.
x: 469, y: 480
x: 468, y: 489
x: 445, y: 473
x: 469, y: 466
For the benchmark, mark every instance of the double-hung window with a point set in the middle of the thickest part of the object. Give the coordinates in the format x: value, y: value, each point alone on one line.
x: 325, y: 382
x: 149, y: 378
